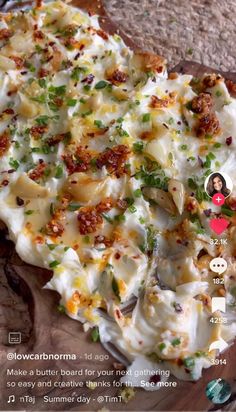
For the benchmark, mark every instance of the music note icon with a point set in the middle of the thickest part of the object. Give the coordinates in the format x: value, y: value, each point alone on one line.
x: 11, y: 399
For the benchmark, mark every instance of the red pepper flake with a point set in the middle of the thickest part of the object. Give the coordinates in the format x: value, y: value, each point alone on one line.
x: 5, y: 182
x: 102, y: 34
x: 117, y: 255
x: 88, y: 79
x: 38, y: 35
x: 43, y: 72
x: 228, y: 140
x: 8, y: 111
x: 118, y: 313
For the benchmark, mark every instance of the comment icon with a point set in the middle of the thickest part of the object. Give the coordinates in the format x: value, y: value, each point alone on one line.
x: 218, y: 265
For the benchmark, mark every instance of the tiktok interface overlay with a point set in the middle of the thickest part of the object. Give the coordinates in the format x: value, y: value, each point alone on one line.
x: 219, y: 186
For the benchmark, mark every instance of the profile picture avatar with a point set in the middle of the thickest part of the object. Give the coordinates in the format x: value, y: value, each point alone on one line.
x: 218, y: 182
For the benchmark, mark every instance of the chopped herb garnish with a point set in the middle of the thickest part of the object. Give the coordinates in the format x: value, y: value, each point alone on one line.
x: 87, y: 87
x: 132, y: 209
x: 115, y: 288
x: 218, y: 93
x: 51, y: 246
x: 42, y: 83
x: 73, y: 206
x: 59, y: 172
x: 226, y: 211
x: 107, y: 218
x: 142, y: 220
x: 61, y: 309
x: 176, y: 342
x: 162, y: 346
x: 77, y: 71
x: 71, y: 102
x: 152, y: 175
x: 54, y: 263
x: 170, y: 121
x: 38, y: 48
x: 85, y: 114
x: 120, y: 120
x: 138, y: 193
x: 121, y: 132
x: 120, y: 218
x: 42, y: 120
x: 40, y: 99
x: 101, y: 85
x: 95, y: 334
x: 99, y: 124
x: 208, y: 160
x: 183, y: 147
x: 138, y: 147
x: 189, y: 362
x: 29, y: 212
x: 57, y: 90
x: 35, y: 150
x: 14, y: 163
x: 217, y: 145
x: 52, y: 209
x: 146, y: 117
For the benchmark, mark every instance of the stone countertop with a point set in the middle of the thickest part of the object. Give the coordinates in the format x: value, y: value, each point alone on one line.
x: 200, y: 30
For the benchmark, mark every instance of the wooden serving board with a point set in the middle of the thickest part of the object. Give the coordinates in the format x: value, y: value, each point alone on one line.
x: 28, y: 308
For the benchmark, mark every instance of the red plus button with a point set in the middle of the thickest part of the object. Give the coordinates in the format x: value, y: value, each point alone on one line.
x: 218, y: 199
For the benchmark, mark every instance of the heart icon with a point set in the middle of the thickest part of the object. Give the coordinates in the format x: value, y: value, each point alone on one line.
x: 219, y: 225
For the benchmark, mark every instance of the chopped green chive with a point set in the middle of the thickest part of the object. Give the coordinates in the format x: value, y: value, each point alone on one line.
x: 217, y: 145
x: 138, y: 193
x: 176, y: 342
x: 138, y: 147
x: 115, y: 287
x: 170, y: 121
x: 14, y: 163
x: 51, y: 246
x: 183, y: 147
x: 54, y: 263
x: 99, y: 124
x: 95, y: 334
x: 101, y: 85
x: 132, y: 209
x: 61, y: 309
x: 73, y: 206
x: 59, y: 172
x: 29, y: 212
x: 161, y: 346
x: 120, y: 218
x: 107, y: 218
x: 71, y: 102
x: 52, y: 209
x: 218, y: 93
x: 86, y: 239
x: 189, y: 362
x: 146, y: 117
